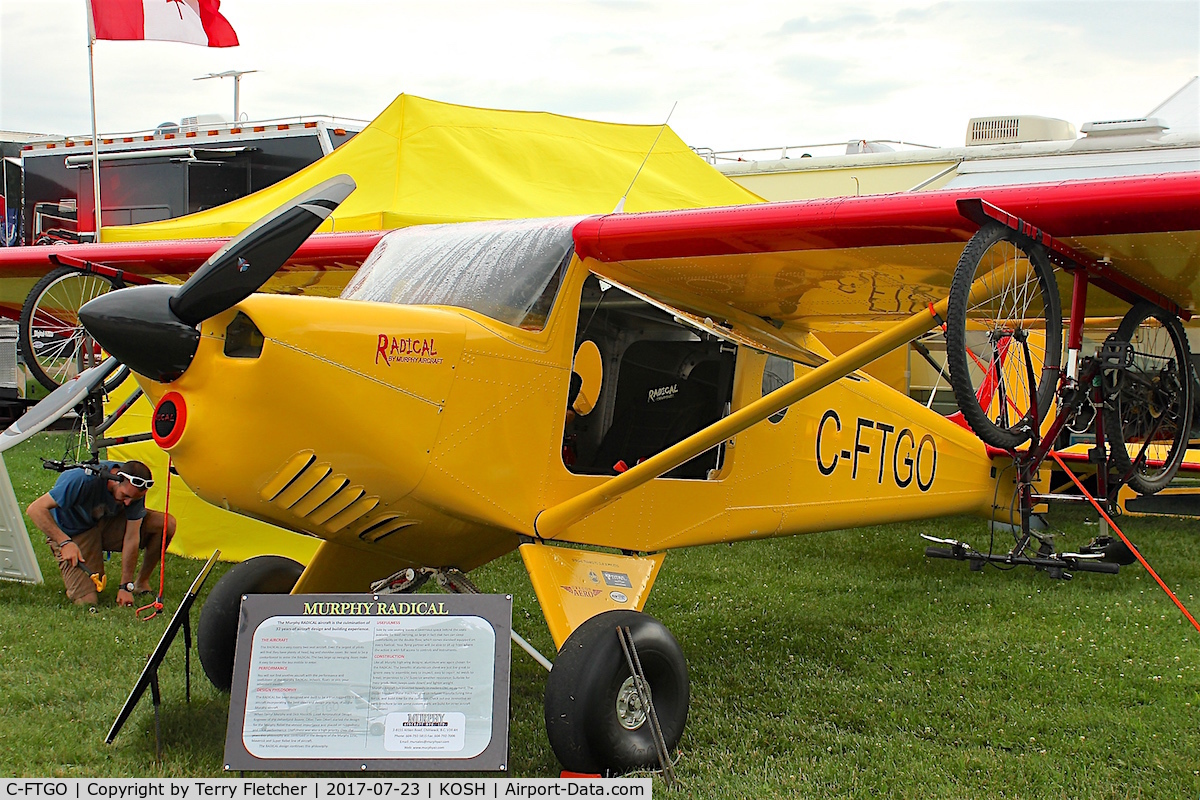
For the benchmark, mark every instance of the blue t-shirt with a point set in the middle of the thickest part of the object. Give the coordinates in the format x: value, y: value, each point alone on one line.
x: 84, y: 500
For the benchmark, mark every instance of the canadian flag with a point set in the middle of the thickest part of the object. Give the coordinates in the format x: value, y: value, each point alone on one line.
x: 190, y: 21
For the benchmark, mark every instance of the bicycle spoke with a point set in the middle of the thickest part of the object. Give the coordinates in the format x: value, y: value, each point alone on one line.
x: 1015, y: 322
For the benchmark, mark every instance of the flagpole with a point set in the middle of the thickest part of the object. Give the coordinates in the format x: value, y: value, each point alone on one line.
x: 95, y: 138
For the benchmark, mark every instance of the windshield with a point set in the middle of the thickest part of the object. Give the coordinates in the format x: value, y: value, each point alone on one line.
x: 509, y: 270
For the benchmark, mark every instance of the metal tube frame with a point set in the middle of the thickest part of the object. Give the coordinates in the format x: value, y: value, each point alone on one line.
x: 118, y: 276
x: 1084, y: 271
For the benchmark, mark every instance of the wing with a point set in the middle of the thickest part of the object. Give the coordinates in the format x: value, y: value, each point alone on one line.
x: 322, y: 265
x: 861, y: 263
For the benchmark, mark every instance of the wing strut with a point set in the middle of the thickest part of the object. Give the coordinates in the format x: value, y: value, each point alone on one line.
x: 554, y: 520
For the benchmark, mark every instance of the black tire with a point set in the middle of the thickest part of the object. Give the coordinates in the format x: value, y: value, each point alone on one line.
x: 50, y: 332
x: 1024, y: 309
x: 1150, y: 400
x: 216, y: 638
x: 589, y: 675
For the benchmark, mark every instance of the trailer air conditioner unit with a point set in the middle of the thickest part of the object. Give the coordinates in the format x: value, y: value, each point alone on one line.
x: 1151, y: 126
x: 1018, y: 129
x: 193, y: 124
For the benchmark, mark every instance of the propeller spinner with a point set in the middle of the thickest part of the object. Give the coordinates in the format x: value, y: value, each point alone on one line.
x: 152, y: 329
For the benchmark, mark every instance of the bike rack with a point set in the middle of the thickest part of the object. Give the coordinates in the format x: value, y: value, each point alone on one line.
x: 1080, y: 386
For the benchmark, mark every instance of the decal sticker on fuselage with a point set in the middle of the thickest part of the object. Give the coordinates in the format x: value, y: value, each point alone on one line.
x: 406, y: 350
x: 879, y: 451
x: 662, y: 393
x: 580, y: 591
x: 617, y: 579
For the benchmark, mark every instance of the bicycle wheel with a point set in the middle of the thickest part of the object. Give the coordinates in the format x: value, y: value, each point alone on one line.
x: 1148, y: 406
x: 1003, y: 346
x: 53, y: 342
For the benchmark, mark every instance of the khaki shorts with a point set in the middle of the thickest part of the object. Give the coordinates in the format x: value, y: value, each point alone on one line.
x: 107, y: 537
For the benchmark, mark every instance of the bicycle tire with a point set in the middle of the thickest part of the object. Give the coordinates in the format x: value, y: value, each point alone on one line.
x: 112, y: 382
x: 994, y: 255
x: 50, y: 332
x: 1153, y: 397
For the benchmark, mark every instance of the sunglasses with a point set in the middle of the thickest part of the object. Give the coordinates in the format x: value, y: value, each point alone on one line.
x: 138, y: 483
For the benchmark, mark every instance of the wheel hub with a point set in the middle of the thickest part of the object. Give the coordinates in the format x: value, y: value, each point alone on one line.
x: 630, y: 711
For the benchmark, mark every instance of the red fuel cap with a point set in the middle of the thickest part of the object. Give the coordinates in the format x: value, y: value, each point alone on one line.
x: 170, y: 417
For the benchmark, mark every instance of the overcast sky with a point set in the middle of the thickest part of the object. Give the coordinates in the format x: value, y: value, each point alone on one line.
x: 745, y: 74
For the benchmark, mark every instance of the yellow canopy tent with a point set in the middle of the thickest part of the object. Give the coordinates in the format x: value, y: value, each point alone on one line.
x: 418, y: 162
x: 422, y: 161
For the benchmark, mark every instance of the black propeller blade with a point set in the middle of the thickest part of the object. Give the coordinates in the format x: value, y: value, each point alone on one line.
x: 152, y: 329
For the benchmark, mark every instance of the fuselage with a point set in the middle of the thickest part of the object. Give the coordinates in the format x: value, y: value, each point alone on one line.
x: 437, y: 434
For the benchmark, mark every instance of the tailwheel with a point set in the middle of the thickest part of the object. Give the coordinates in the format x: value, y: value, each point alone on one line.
x: 1148, y: 401
x: 216, y: 639
x: 1004, y: 343
x: 595, y: 719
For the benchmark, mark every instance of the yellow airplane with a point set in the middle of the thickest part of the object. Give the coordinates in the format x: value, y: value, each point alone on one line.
x: 596, y: 392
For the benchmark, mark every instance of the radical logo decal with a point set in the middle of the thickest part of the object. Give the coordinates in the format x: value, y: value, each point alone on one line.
x: 906, y: 460
x: 663, y: 393
x: 406, y: 350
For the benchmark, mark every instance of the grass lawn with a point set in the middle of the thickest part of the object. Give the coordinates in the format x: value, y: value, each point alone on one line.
x: 841, y: 664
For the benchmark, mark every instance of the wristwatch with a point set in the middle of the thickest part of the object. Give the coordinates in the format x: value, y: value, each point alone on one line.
x: 128, y: 587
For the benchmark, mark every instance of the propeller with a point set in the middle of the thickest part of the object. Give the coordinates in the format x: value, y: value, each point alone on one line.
x: 152, y: 329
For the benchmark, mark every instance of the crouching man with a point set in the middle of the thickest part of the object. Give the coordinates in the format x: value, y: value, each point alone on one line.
x: 87, y: 514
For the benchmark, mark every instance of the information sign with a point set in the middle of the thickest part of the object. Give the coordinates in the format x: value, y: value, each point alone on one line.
x: 371, y: 682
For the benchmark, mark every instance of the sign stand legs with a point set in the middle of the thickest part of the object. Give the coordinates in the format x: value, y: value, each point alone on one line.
x: 156, y: 696
x: 149, y: 676
x: 187, y: 657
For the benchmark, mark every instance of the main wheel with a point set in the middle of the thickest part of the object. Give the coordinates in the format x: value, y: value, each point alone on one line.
x: 216, y: 638
x: 53, y: 342
x: 1004, y: 348
x: 594, y: 719
x: 1148, y: 406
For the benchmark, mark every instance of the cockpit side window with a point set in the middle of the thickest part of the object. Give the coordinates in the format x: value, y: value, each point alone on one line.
x: 539, y: 312
x: 777, y: 373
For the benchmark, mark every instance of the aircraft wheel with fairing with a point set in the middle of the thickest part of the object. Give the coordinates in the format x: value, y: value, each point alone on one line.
x: 1148, y: 405
x: 216, y: 638
x: 593, y: 718
x: 1007, y: 344
x: 51, y: 335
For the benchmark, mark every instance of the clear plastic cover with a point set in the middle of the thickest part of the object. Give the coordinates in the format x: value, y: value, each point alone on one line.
x: 508, y: 270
